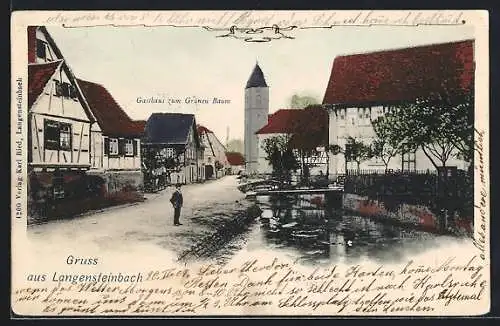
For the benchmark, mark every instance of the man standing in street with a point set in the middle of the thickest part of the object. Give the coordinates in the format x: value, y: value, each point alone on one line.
x: 177, y: 201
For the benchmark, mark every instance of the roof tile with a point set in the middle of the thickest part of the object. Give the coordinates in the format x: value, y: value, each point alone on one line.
x: 403, y: 74
x: 235, y: 158
x: 280, y: 122
x: 110, y: 116
x: 168, y: 128
x: 38, y: 76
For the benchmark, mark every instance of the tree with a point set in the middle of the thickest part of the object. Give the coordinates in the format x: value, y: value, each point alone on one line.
x: 336, y: 150
x: 218, y: 165
x: 460, y: 128
x: 441, y: 126
x: 388, y: 142
x: 354, y: 150
x: 280, y: 156
x: 302, y: 101
x: 357, y: 151
x: 310, y: 131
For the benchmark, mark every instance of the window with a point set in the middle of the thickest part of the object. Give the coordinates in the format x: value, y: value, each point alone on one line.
x: 51, y: 134
x: 65, y: 136
x: 57, y: 135
x: 66, y: 89
x: 58, y: 87
x: 72, y: 92
x: 41, y: 49
x: 58, y: 188
x: 408, y: 159
x: 342, y: 114
x: 170, y: 152
x: 113, y: 146
x: 129, y: 147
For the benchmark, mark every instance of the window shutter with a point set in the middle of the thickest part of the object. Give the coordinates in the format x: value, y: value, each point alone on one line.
x: 136, y: 145
x: 121, y: 146
x: 106, y: 146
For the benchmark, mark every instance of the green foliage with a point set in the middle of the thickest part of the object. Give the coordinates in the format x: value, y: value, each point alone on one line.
x: 171, y: 163
x: 357, y: 151
x: 302, y: 101
x: 218, y: 165
x: 388, y: 142
x: 354, y: 151
x: 280, y: 156
x: 442, y: 126
x: 335, y: 149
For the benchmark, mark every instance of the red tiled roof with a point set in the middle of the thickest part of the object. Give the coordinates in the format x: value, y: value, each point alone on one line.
x: 38, y: 76
x: 281, y: 122
x: 139, y: 126
x: 110, y: 116
x: 235, y: 158
x: 404, y: 74
x: 202, y: 129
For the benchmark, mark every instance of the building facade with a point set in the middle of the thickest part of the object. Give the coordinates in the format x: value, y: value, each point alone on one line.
x: 214, y: 163
x: 83, y: 148
x: 59, y: 124
x: 256, y: 112
x: 115, y: 140
x: 305, y: 131
x: 236, y: 162
x: 363, y: 87
x: 279, y: 124
x: 172, y: 148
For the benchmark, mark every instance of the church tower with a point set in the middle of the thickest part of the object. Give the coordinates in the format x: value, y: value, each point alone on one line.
x: 256, y: 111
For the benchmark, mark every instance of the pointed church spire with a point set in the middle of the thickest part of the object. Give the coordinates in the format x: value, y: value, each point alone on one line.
x: 256, y: 78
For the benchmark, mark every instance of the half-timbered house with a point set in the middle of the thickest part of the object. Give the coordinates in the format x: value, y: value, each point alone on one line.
x: 305, y: 131
x: 214, y: 163
x: 172, y: 143
x: 365, y: 86
x: 59, y: 121
x: 115, y: 140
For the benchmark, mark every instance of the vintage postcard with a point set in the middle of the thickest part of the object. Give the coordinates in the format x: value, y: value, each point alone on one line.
x: 239, y: 163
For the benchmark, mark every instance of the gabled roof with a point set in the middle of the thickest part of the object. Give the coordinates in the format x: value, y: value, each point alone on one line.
x: 38, y: 77
x: 32, y: 43
x: 307, y: 127
x: 109, y: 114
x: 203, y: 129
x: 235, y: 158
x: 402, y: 74
x: 31, y: 31
x: 280, y: 122
x: 169, y: 128
x: 139, y: 126
x: 256, y: 78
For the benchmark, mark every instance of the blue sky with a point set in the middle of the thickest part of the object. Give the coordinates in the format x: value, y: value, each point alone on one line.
x: 169, y: 62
